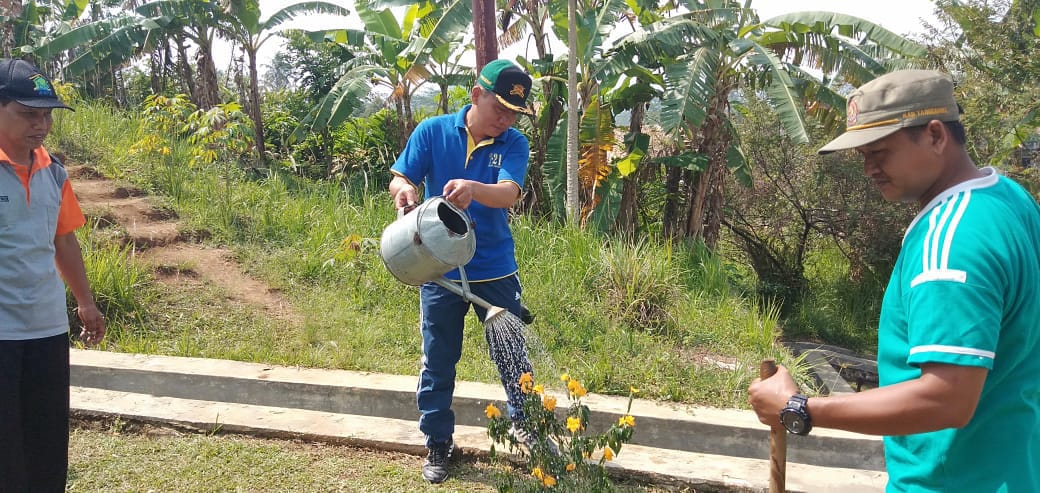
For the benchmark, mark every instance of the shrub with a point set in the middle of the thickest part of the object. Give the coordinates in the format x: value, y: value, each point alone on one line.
x: 579, y: 465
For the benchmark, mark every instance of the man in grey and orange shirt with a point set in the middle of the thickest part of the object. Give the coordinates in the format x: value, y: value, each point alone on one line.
x: 38, y: 248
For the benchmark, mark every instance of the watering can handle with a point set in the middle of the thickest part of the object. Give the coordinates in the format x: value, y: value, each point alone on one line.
x: 406, y: 209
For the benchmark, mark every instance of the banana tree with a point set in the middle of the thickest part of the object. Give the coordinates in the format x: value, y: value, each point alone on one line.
x: 719, y: 49
x: 522, y: 20
x: 26, y: 26
x: 593, y: 118
x: 113, y: 42
x: 244, y: 27
x: 390, y: 53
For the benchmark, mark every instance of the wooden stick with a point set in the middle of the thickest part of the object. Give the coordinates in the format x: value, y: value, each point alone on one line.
x: 777, y: 440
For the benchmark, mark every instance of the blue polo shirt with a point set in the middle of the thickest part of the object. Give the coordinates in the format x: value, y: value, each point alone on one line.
x: 436, y: 153
x: 966, y: 291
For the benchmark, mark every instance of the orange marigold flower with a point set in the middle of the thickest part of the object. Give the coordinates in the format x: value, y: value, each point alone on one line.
x: 608, y: 453
x: 491, y: 411
x: 549, y: 403
x: 576, y: 388
x: 628, y: 420
x: 573, y: 424
x: 548, y: 481
x: 571, y: 467
x: 526, y: 382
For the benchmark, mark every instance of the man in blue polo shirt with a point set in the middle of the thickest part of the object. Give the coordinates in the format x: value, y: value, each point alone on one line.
x: 477, y: 161
x: 959, y: 333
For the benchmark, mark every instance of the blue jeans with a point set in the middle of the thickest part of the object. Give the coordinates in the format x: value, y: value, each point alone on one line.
x: 443, y: 316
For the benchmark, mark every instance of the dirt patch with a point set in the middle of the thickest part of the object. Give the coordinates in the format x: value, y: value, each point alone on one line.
x: 155, y: 236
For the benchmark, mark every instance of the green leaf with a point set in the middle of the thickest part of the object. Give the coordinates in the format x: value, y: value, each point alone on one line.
x: 848, y: 26
x: 630, y: 163
x: 692, y: 161
x: 782, y: 94
x: 346, y: 96
x: 689, y: 88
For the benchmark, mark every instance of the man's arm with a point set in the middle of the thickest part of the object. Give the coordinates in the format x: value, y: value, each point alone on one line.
x: 500, y: 195
x: 69, y: 260
x: 944, y: 396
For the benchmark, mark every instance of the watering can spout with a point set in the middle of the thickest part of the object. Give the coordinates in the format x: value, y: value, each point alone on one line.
x: 493, y: 313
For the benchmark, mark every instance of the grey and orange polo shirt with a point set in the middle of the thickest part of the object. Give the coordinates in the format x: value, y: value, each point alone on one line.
x: 36, y: 205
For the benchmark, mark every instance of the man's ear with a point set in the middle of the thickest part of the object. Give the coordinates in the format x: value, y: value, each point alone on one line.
x: 938, y: 135
x: 475, y: 93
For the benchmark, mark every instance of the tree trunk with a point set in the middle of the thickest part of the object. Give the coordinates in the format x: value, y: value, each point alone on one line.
x: 703, y: 195
x: 402, y: 131
x: 254, y: 107
x: 532, y: 202
x: 573, y: 118
x: 484, y: 40
x: 670, y: 217
x: 187, y: 76
x: 627, y: 220
x: 208, y: 88
x: 13, y: 8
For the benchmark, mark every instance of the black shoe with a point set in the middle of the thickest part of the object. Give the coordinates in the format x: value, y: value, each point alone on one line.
x: 435, y: 469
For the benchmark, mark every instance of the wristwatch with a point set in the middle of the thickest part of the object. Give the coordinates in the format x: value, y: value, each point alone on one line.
x: 795, y: 417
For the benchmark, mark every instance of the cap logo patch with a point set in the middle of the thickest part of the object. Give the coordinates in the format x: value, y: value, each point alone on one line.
x: 42, y: 88
x: 517, y: 90
x: 852, y: 114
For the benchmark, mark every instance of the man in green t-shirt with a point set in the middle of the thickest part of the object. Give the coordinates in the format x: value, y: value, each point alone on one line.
x: 959, y: 332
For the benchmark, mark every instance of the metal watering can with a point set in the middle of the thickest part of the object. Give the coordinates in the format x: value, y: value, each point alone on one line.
x: 429, y: 241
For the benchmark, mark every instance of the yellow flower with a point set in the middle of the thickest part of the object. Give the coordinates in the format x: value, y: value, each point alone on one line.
x: 165, y: 151
x: 608, y: 454
x: 549, y: 403
x: 629, y: 421
x: 548, y: 481
x: 526, y: 382
x: 538, y: 389
x: 565, y: 377
x: 633, y: 390
x: 537, y: 472
x: 576, y: 389
x: 571, y: 466
x: 573, y: 424
x: 491, y: 411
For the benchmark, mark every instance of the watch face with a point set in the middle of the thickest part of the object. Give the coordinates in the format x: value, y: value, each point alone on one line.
x: 793, y: 422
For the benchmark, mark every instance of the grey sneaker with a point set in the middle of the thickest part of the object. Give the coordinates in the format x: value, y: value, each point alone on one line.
x: 435, y: 469
x: 531, y: 442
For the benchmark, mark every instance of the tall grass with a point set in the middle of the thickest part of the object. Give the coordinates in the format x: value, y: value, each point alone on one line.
x: 666, y: 318
x: 837, y: 309
x: 121, y: 288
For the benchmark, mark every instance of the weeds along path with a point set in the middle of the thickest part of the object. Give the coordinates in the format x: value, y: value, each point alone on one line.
x: 129, y: 217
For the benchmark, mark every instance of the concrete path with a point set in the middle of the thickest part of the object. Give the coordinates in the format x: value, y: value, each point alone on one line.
x: 704, y: 448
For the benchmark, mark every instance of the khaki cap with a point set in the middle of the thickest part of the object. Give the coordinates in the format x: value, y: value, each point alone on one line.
x: 900, y: 99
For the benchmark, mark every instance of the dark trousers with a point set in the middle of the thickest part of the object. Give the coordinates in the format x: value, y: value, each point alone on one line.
x: 443, y: 316
x: 34, y: 414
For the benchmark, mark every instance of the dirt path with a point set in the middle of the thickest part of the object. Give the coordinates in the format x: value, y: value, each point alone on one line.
x: 155, y: 235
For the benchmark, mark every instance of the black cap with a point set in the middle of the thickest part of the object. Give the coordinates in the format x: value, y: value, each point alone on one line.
x: 23, y: 83
x: 509, y: 82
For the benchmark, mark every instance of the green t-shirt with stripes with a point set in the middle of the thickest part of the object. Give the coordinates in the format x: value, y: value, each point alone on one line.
x: 966, y: 291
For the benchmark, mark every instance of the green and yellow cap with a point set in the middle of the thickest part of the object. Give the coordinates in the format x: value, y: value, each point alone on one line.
x: 508, y: 82
x: 900, y: 99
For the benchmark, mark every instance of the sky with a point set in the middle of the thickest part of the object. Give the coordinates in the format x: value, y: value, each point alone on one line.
x: 900, y: 16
